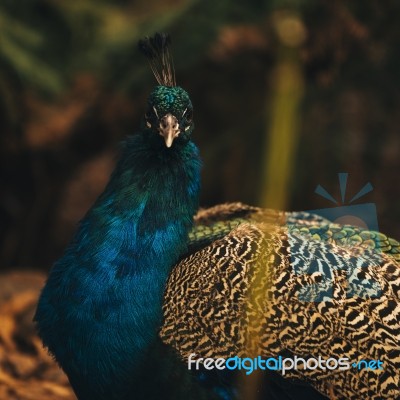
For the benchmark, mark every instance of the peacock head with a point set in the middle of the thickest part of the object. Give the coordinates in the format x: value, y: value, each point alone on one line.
x: 169, y: 111
x: 170, y: 114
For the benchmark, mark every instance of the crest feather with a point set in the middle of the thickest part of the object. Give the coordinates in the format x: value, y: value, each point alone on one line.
x: 156, y: 49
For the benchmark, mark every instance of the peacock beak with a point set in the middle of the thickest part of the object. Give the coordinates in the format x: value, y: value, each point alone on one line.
x: 169, y: 128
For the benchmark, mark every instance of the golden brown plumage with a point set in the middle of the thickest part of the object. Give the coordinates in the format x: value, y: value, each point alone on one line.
x: 279, y: 283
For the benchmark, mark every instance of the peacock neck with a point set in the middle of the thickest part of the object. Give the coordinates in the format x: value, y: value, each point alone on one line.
x: 147, y: 209
x: 122, y: 254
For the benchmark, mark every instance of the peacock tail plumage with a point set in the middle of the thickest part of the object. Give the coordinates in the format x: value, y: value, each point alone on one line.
x: 271, y: 283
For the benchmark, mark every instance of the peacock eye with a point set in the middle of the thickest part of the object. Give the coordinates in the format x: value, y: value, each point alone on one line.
x: 151, y: 113
x: 188, y: 113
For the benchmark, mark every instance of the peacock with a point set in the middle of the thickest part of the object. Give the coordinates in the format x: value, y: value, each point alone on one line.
x: 149, y: 282
x: 101, y: 308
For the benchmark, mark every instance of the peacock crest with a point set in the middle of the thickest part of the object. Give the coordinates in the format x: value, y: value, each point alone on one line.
x: 156, y: 49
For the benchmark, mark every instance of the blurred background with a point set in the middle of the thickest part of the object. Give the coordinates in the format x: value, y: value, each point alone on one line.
x: 287, y: 94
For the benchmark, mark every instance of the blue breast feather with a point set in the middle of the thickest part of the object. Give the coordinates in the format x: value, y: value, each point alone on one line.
x: 101, y: 306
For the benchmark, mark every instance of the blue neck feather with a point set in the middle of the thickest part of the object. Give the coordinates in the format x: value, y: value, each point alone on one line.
x: 102, y: 305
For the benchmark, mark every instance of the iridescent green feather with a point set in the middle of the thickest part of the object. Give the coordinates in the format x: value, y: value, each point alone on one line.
x: 210, y: 228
